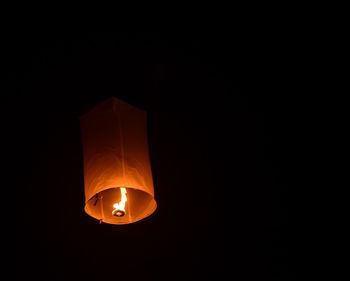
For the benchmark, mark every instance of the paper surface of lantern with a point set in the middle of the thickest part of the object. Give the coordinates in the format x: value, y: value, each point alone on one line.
x: 117, y: 171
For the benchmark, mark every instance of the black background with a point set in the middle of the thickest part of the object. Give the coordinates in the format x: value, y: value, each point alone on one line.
x: 221, y: 111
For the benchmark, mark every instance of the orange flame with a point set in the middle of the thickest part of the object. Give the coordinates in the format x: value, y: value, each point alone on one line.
x: 119, y: 208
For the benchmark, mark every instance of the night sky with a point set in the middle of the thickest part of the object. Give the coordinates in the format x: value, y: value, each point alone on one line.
x: 220, y: 116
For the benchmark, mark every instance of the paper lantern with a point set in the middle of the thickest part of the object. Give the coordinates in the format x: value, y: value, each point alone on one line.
x: 117, y: 171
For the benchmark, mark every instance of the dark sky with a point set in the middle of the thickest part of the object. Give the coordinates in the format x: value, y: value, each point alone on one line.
x: 221, y: 114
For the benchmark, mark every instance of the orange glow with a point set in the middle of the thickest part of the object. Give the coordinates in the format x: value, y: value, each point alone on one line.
x: 117, y: 163
x: 119, y: 208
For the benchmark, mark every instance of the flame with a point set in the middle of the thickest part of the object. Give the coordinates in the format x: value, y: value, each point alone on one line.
x: 119, y: 208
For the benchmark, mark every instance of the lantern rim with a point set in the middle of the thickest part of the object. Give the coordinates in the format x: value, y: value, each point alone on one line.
x: 111, y: 219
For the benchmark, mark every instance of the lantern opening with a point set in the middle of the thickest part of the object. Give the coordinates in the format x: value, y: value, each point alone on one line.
x: 120, y: 205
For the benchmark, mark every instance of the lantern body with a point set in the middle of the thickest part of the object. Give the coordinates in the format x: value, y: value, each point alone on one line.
x: 116, y: 158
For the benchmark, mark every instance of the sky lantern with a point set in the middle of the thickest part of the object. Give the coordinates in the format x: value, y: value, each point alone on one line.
x: 117, y: 172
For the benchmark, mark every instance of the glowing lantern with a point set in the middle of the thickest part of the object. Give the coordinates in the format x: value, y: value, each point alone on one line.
x: 117, y: 172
